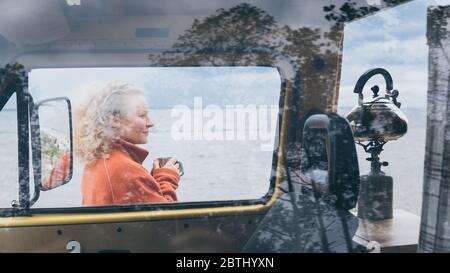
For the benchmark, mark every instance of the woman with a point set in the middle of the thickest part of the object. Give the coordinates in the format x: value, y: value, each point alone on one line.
x: 107, y: 130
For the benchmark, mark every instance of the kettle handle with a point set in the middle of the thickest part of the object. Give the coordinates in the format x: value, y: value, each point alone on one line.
x: 369, y: 74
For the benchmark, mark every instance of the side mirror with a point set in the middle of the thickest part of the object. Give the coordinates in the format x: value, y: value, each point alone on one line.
x: 331, y: 159
x: 51, y: 138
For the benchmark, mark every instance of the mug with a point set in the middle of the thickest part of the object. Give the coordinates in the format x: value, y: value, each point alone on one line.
x: 163, y: 160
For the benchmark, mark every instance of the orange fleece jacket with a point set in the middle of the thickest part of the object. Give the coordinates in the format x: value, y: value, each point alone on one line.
x: 121, y: 179
x: 59, y: 173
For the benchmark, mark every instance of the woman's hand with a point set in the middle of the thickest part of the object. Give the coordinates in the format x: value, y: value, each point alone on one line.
x: 171, y: 164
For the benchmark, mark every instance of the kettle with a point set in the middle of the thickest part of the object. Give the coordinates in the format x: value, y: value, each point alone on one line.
x: 378, y: 118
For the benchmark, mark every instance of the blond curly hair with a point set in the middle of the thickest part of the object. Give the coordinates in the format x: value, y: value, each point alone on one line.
x: 96, y: 121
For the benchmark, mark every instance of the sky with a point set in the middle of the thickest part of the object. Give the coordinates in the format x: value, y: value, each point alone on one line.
x: 394, y: 39
x: 165, y: 87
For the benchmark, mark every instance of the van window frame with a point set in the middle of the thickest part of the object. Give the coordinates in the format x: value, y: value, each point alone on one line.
x: 23, y: 153
x: 26, y: 210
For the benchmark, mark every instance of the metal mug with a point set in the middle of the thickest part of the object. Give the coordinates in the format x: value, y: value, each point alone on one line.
x: 163, y: 160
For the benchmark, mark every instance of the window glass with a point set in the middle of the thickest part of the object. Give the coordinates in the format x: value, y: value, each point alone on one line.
x: 9, y: 185
x: 394, y: 40
x: 219, y: 122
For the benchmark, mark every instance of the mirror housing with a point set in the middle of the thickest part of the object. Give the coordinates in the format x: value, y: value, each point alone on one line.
x: 51, y: 138
x: 330, y: 149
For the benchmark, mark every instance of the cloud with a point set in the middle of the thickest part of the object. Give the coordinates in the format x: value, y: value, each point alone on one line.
x: 404, y: 22
x: 410, y: 51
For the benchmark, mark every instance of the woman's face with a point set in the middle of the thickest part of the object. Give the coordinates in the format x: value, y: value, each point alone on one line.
x: 136, y: 124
